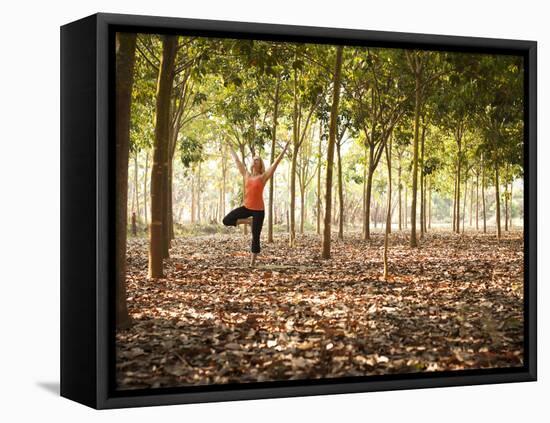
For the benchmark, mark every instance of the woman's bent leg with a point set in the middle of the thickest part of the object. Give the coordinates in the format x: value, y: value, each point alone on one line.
x: 239, y: 213
x: 257, y: 223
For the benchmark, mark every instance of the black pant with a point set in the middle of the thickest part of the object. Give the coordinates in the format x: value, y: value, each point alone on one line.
x: 257, y: 223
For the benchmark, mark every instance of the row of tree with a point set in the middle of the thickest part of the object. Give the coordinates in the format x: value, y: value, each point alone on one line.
x: 454, y: 117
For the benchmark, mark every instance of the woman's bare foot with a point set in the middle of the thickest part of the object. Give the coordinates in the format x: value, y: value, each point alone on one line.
x: 253, y: 259
x: 246, y: 221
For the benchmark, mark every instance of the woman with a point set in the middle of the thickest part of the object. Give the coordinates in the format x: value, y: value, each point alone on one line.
x: 252, y: 212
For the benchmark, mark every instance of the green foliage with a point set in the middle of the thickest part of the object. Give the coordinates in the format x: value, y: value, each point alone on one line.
x: 472, y: 112
x: 191, y: 151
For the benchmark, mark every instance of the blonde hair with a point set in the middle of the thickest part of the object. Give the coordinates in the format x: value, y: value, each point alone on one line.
x: 262, y: 166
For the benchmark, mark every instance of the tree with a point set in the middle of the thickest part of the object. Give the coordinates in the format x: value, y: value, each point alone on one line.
x: 379, y: 98
x: 125, y: 60
x: 160, y: 155
x: 325, y: 254
x: 501, y: 117
x: 388, y: 210
x: 308, y: 90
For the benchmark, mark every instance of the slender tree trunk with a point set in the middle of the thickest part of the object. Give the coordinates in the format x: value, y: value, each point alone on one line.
x: 430, y: 206
x: 454, y: 202
x: 224, y: 183
x: 125, y: 60
x: 302, y: 208
x: 133, y: 190
x: 365, y: 205
x: 340, y: 193
x: 465, y: 198
x: 334, y: 204
x: 399, y: 189
x: 471, y: 204
x: 162, y: 130
x: 272, y: 159
x: 170, y: 201
x: 413, y: 241
x: 368, y: 195
x: 497, y: 198
x: 287, y: 221
x: 477, y: 201
x: 388, y: 210
x: 136, y: 185
x: 145, y: 188
x: 199, y: 188
x: 422, y: 185
x: 325, y: 250
x: 458, y: 166
x: 165, y: 194
x: 424, y: 206
x: 484, y: 210
x: 193, y: 196
x: 506, y: 207
x: 406, y: 207
x: 292, y: 233
x: 319, y: 183
x: 511, y: 203
x: 295, y: 142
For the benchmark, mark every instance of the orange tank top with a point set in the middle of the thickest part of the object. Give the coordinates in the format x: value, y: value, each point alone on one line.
x: 253, y: 193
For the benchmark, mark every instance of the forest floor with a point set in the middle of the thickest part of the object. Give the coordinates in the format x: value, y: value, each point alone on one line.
x: 454, y: 303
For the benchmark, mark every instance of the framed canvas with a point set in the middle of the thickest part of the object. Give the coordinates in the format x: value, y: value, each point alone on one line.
x: 256, y: 211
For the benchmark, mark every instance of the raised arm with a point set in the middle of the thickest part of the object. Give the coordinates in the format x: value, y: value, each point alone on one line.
x: 271, y: 170
x: 240, y: 165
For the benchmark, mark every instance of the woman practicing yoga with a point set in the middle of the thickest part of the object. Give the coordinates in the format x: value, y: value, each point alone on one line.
x: 252, y: 212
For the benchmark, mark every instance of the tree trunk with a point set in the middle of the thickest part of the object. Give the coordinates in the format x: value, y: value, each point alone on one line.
x: 497, y: 197
x: 165, y: 193
x: 506, y: 207
x: 146, y: 218
x: 458, y: 166
x: 430, y: 205
x: 422, y: 186
x: 365, y: 205
x: 162, y: 131
x: 511, y: 202
x: 319, y: 183
x: 292, y: 232
x: 193, y: 196
x: 465, y: 198
x: 132, y: 188
x: 484, y: 210
x: 199, y: 217
x: 125, y: 60
x: 406, y: 208
x: 399, y: 189
x: 170, y: 201
x: 471, y: 204
x: 224, y: 183
x: 295, y: 146
x: 302, y: 208
x: 413, y: 241
x: 477, y: 201
x: 340, y: 193
x: 454, y: 203
x: 368, y: 195
x: 325, y: 253
x: 388, y: 211
x: 287, y: 221
x: 136, y: 185
x: 272, y: 159
x: 334, y: 204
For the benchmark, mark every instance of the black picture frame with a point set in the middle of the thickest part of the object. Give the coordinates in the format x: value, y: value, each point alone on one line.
x: 87, y: 219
